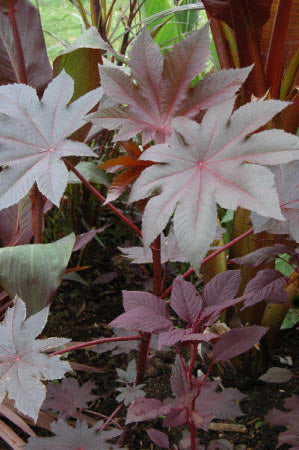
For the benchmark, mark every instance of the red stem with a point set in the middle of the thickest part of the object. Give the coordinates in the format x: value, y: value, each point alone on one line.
x: 211, y: 256
x: 102, y: 198
x: 96, y: 342
x: 18, y: 42
x: 110, y: 418
x: 275, y: 55
x: 192, y: 429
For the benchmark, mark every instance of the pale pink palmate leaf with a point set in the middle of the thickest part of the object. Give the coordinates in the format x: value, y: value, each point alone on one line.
x: 70, y: 438
x: 287, y: 183
x: 215, y: 161
x: 67, y: 397
x: 33, y: 137
x: 23, y: 362
x: 159, y: 88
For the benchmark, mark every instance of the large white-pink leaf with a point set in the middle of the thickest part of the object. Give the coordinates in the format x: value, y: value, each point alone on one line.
x: 33, y: 137
x: 208, y: 163
x: 161, y: 89
x: 286, y: 179
x: 23, y: 362
x: 266, y: 285
x: 169, y: 251
x: 237, y: 341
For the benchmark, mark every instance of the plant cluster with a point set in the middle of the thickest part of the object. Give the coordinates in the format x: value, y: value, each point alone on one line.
x: 201, y: 149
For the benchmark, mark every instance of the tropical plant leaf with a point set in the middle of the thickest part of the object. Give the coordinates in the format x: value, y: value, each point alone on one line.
x: 68, y: 437
x: 264, y: 255
x: 266, y: 285
x: 286, y: 180
x: 161, y: 90
x: 34, y: 272
x: 142, y: 319
x: 33, y: 138
x: 185, y: 300
x: 90, y: 171
x: 38, y: 68
x: 66, y: 398
x: 190, y: 178
x: 23, y: 362
x: 237, y: 341
x: 83, y: 239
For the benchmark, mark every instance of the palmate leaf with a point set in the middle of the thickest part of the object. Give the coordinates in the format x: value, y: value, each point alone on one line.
x: 208, y: 163
x: 23, y: 362
x: 70, y: 438
x: 287, y: 183
x: 161, y: 89
x: 33, y: 137
x: 68, y: 397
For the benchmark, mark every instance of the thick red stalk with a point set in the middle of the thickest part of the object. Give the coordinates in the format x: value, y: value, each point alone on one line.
x: 275, y: 55
x: 212, y: 255
x: 37, y: 214
x: 102, y: 198
x: 18, y: 43
x: 248, y: 47
x: 96, y: 342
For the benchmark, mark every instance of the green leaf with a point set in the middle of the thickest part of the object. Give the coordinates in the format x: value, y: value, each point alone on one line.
x: 283, y: 266
x: 167, y: 32
x: 34, y: 271
x: 188, y: 18
x: 90, y: 172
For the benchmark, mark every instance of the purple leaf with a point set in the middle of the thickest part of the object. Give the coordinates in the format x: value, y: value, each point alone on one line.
x: 83, y: 239
x: 286, y: 179
x: 67, y: 397
x: 146, y: 409
x: 38, y: 68
x: 133, y: 299
x: 23, y: 362
x: 142, y: 319
x: 70, y: 438
x: 237, y: 341
x: 16, y: 223
x: 290, y: 418
x: 169, y: 338
x: 277, y: 375
x: 158, y: 437
x: 34, y: 136
x: 161, y: 90
x: 222, y: 169
x: 105, y: 278
x: 264, y: 255
x: 178, y: 381
x: 222, y: 405
x: 175, y: 417
x: 185, y: 299
x: 221, y: 288
x: 266, y: 285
